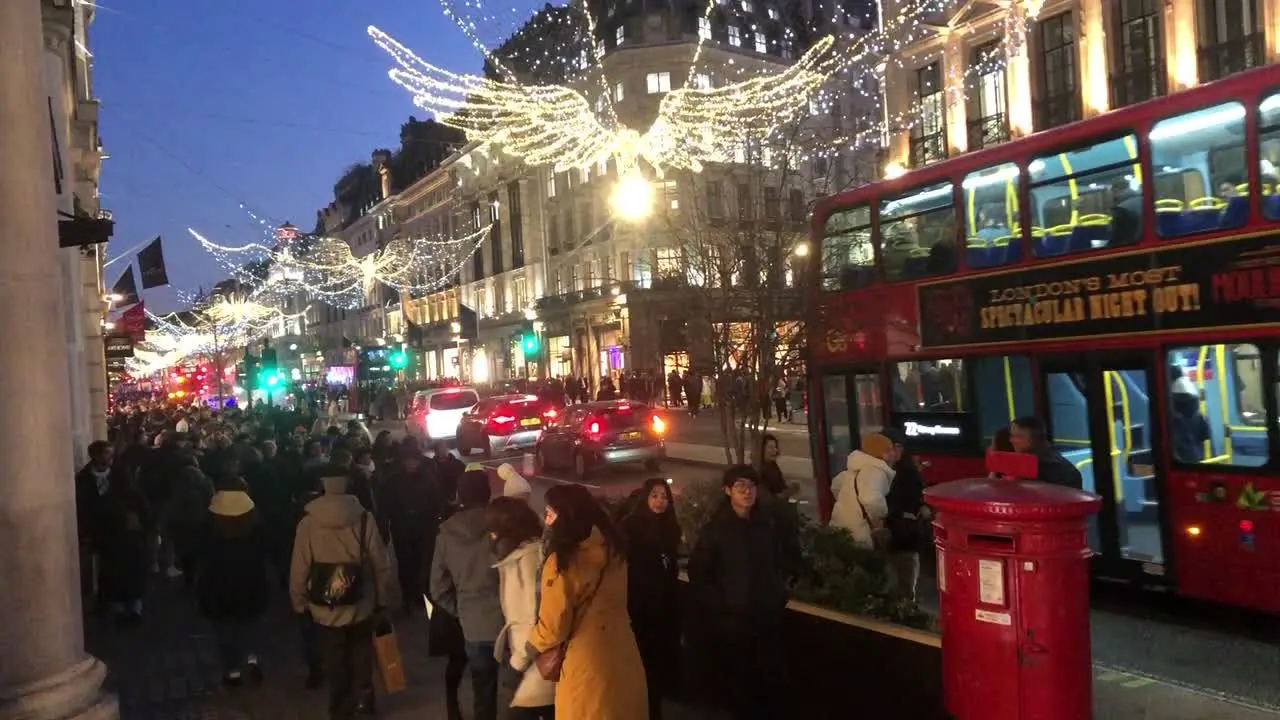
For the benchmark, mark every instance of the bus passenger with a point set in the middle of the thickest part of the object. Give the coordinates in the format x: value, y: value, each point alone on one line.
x: 1269, y: 165
x: 1126, y: 213
x: 1188, y: 428
x: 1027, y: 435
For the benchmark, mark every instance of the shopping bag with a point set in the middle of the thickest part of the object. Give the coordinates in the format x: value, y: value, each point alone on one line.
x: 386, y: 649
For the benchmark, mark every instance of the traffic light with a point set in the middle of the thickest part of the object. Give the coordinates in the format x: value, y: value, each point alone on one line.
x: 529, y: 342
x: 250, y: 371
x: 399, y: 359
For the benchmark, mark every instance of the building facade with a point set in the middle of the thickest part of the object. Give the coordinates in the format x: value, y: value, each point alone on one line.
x: 991, y: 71
x: 78, y: 154
x: 713, y: 255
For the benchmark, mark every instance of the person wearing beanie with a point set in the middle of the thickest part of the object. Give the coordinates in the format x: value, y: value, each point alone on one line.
x: 464, y: 584
x: 513, y: 483
x: 861, y: 491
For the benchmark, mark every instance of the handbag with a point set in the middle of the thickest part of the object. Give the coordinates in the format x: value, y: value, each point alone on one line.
x: 551, y: 662
x: 335, y: 585
x: 880, y: 537
x: 386, y: 649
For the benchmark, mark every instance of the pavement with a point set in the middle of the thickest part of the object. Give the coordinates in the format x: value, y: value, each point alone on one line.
x: 167, y: 669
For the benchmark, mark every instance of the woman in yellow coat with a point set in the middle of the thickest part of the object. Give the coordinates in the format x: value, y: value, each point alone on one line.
x: 584, y: 602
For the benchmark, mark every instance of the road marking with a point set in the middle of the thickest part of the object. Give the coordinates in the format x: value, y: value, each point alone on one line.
x: 495, y: 462
x: 1137, y: 683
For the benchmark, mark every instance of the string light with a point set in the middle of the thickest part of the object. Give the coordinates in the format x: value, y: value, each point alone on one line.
x: 327, y: 269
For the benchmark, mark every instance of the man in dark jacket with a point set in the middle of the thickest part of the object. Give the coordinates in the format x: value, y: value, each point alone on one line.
x: 907, y: 513
x: 409, y: 499
x: 231, y: 577
x: 1028, y: 436
x: 92, y: 483
x: 464, y: 583
x: 739, y: 572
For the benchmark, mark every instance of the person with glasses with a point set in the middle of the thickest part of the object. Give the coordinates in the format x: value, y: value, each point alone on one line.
x: 738, y: 572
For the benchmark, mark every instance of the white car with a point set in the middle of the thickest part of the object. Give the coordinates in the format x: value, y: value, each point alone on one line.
x: 435, y: 413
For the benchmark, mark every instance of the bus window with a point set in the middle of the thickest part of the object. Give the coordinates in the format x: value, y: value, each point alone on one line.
x: 1086, y: 198
x: 848, y: 261
x: 1002, y: 392
x: 930, y: 386
x: 1199, y: 164
x: 1269, y: 155
x: 1216, y: 411
x: 993, y: 236
x: 917, y: 233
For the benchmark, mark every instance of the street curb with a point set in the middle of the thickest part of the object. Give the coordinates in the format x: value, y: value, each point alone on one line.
x: 798, y: 468
x: 1210, y: 693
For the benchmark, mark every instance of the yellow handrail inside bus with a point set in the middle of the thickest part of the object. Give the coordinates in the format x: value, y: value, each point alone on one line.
x: 1111, y: 375
x: 1071, y: 184
x: 1133, y: 153
x: 1011, y: 201
x: 1008, y: 388
x: 1222, y: 400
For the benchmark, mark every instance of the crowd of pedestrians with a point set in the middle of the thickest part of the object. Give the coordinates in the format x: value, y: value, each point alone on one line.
x: 577, y: 609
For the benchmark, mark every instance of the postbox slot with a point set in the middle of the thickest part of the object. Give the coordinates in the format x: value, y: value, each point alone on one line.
x: 1005, y: 543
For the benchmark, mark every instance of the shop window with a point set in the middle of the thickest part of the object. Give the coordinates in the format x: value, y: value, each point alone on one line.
x: 1002, y: 392
x: 848, y: 260
x: 1086, y: 198
x: 1201, y: 177
x: 930, y: 386
x: 917, y: 233
x: 1269, y: 156
x: 993, y: 233
x: 1216, y: 411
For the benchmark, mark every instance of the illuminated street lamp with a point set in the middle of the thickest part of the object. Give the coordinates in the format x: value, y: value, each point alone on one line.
x: 801, y: 250
x: 632, y: 198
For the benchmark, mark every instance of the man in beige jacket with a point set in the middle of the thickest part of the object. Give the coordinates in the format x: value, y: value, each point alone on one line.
x: 337, y: 545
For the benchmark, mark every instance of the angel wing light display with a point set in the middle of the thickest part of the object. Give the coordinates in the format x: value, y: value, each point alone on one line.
x: 555, y: 125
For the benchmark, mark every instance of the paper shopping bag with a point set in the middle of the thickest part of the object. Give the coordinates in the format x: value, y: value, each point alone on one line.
x: 386, y: 649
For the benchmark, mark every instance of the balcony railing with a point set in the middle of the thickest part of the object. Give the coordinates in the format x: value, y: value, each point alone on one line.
x: 1137, y: 85
x: 926, y: 149
x: 987, y: 131
x: 1057, y: 110
x: 1233, y: 56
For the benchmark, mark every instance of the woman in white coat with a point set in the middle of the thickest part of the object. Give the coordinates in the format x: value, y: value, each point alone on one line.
x: 517, y: 541
x: 861, y: 491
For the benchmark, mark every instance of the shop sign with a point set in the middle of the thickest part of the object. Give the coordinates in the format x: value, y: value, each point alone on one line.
x: 118, y: 347
x: 1222, y: 283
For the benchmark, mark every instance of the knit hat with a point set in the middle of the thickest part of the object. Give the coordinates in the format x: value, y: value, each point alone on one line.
x: 513, y: 484
x: 875, y: 444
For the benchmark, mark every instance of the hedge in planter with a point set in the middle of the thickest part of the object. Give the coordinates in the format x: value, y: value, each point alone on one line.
x: 834, y: 572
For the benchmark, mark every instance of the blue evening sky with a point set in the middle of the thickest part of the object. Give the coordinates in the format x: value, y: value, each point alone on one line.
x: 209, y: 104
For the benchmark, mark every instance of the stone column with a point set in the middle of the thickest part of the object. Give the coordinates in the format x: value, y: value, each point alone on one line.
x: 953, y: 78
x: 44, y: 671
x: 1182, y: 63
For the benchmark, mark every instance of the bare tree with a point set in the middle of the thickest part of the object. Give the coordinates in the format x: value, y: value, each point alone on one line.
x: 737, y: 246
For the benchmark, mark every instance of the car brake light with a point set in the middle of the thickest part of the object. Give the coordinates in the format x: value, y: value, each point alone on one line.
x: 659, y: 426
x: 503, y: 419
x: 624, y: 408
x: 593, y: 428
x: 550, y: 413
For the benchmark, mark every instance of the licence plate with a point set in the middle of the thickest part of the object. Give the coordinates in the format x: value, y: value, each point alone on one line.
x: 530, y: 422
x: 635, y: 435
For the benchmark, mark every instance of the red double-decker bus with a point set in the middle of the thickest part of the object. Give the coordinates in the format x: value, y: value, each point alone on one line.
x: 1118, y: 278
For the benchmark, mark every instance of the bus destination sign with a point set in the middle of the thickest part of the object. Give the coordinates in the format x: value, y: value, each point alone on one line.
x: 1227, y: 283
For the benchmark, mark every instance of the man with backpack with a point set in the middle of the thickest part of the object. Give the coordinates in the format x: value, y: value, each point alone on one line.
x: 340, y: 574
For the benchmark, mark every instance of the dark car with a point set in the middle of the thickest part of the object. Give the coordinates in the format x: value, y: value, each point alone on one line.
x: 503, y: 423
x: 587, y: 436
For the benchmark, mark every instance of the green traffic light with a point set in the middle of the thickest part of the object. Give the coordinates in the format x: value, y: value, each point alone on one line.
x: 273, y: 380
x: 398, y: 360
x: 530, y: 344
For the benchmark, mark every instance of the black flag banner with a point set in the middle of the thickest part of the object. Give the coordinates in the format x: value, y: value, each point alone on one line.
x: 127, y: 288
x: 151, y: 265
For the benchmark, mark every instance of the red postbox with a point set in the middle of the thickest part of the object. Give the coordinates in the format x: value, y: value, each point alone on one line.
x: 1013, y: 582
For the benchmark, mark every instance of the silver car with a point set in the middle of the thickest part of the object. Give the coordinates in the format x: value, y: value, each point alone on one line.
x: 591, y: 435
x: 504, y: 423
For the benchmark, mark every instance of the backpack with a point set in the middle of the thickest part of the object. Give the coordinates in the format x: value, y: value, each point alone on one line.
x: 335, y: 585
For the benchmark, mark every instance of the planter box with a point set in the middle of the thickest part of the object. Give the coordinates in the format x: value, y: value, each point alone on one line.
x: 844, y: 666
